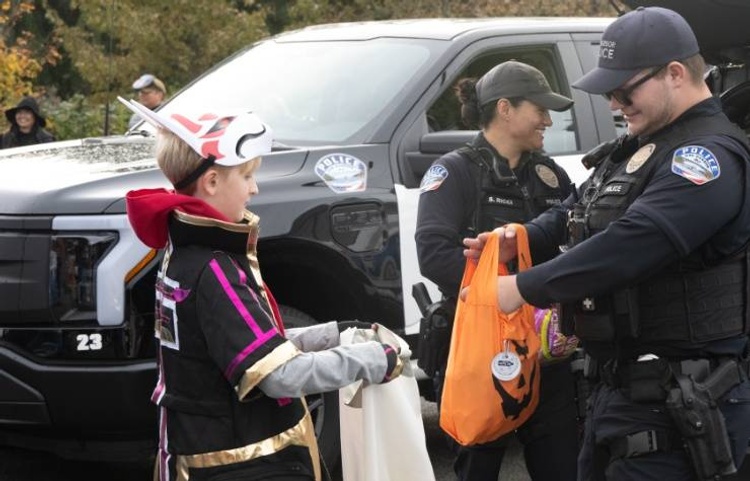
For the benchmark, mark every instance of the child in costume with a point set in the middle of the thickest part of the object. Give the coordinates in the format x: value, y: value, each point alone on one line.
x: 231, y: 381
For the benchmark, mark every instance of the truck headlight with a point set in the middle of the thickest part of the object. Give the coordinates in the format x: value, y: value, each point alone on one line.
x: 73, y: 260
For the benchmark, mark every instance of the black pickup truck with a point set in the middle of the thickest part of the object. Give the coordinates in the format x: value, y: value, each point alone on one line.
x: 359, y: 112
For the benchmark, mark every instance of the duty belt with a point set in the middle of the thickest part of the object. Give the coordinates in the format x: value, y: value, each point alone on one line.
x: 652, y: 378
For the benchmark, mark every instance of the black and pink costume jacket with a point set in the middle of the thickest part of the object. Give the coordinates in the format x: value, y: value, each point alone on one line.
x: 219, y: 335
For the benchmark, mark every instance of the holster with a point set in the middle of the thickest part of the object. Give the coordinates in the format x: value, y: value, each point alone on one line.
x: 694, y: 408
x: 584, y: 372
x: 435, y: 336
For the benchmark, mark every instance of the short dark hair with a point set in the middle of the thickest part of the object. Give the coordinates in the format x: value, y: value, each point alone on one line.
x: 696, y: 66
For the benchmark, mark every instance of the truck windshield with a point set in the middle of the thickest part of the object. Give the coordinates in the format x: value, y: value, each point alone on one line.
x: 312, y: 92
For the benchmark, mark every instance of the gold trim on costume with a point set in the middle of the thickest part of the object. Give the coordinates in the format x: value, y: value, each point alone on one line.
x: 258, y: 371
x: 201, y: 221
x: 302, y: 434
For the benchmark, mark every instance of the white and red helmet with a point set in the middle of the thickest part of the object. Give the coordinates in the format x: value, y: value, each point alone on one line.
x: 229, y: 138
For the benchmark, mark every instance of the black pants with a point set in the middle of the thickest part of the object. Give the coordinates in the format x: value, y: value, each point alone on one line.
x: 613, y: 415
x: 549, y: 437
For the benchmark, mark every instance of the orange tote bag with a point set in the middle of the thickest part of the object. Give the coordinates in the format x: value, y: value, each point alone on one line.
x: 492, y: 380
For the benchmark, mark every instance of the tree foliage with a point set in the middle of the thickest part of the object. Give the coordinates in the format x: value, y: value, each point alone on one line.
x: 83, y: 53
x: 298, y: 13
x: 23, y: 53
x: 112, y: 42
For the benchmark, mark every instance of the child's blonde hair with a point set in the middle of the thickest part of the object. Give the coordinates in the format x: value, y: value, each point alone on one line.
x: 176, y: 158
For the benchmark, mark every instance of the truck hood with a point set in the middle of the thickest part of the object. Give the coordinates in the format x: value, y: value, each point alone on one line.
x: 92, y: 176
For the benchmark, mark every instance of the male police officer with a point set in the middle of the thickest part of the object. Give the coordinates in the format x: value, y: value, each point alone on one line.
x: 655, y: 274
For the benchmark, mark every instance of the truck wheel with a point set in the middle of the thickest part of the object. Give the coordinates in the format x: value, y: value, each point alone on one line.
x: 324, y: 408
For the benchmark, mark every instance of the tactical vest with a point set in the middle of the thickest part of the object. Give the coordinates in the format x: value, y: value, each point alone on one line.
x: 692, y: 302
x: 502, y: 199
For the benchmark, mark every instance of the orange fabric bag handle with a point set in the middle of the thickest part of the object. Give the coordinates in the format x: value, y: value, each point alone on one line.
x: 491, y: 254
x: 523, y: 253
x: 489, y: 267
x: 481, y: 277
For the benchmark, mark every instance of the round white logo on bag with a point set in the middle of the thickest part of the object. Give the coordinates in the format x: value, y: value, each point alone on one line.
x: 506, y: 366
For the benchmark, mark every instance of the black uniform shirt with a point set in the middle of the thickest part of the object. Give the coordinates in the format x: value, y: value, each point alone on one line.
x: 671, y: 218
x: 451, y: 193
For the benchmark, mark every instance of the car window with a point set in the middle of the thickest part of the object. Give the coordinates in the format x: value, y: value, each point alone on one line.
x: 445, y: 113
x: 313, y: 92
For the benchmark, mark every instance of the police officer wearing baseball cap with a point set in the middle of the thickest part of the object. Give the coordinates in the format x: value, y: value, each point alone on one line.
x: 151, y: 93
x: 501, y: 176
x: 655, y: 277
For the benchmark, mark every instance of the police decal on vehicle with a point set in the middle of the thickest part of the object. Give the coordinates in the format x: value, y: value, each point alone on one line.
x: 342, y: 173
x: 695, y: 163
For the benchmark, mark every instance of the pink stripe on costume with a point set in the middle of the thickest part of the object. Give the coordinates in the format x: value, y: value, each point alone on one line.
x: 261, y: 337
x: 247, y: 351
x: 160, y: 387
x: 164, y: 456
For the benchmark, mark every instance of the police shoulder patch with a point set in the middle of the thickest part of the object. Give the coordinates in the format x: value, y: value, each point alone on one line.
x: 696, y: 163
x: 433, y: 178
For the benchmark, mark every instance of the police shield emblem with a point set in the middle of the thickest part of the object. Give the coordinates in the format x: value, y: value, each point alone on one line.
x: 639, y: 158
x: 547, y: 176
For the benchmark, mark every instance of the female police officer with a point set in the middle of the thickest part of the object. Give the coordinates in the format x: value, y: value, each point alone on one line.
x: 500, y: 177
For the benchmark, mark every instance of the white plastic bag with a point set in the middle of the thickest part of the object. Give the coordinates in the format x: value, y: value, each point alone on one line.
x: 382, y: 434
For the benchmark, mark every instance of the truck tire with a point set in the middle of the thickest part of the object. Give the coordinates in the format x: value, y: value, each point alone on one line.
x: 324, y: 408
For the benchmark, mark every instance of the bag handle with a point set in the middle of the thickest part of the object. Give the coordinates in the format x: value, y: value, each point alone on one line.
x: 488, y: 267
x: 523, y: 253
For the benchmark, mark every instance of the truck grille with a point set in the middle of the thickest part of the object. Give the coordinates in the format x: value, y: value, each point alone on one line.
x: 24, y: 271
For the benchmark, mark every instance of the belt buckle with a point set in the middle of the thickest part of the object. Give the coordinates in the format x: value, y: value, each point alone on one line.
x: 641, y: 443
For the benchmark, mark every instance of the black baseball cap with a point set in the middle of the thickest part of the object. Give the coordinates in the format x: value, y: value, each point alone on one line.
x: 516, y: 79
x: 642, y: 38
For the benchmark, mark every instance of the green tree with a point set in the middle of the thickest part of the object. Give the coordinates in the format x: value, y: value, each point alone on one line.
x: 288, y: 14
x: 111, y: 42
x: 23, y: 53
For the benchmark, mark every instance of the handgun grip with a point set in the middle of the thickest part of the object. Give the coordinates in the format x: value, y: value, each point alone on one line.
x: 722, y: 379
x: 420, y: 294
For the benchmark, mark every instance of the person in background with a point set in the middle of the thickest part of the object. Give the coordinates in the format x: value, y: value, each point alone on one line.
x: 502, y: 176
x: 151, y: 93
x: 231, y: 377
x: 26, y: 125
x: 656, y: 268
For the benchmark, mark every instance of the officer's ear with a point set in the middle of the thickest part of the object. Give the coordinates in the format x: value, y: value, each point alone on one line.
x: 676, y: 73
x: 502, y: 107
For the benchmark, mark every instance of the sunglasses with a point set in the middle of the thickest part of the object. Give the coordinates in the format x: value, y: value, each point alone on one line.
x: 622, y: 95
